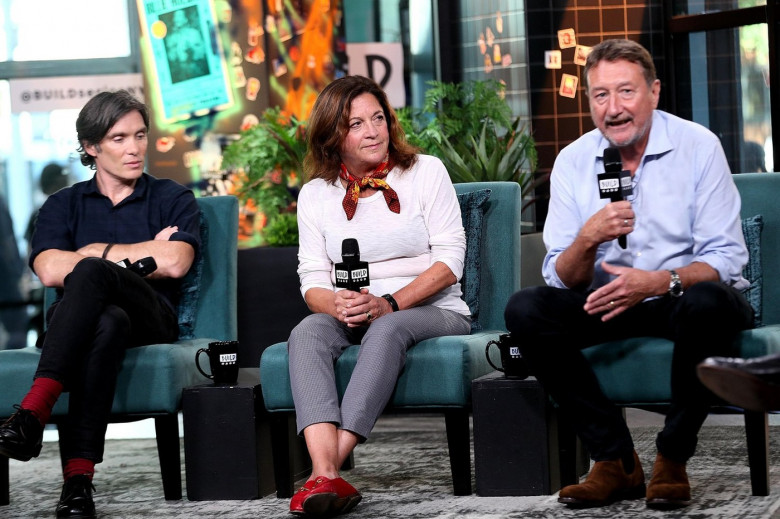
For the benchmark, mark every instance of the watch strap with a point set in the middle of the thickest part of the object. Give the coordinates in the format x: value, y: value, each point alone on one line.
x: 393, y: 303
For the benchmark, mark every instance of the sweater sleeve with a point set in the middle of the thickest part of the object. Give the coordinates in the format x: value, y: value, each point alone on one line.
x: 314, y: 266
x: 442, y: 215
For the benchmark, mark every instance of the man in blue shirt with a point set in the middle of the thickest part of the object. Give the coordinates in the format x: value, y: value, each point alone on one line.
x: 679, y: 276
x: 103, y: 308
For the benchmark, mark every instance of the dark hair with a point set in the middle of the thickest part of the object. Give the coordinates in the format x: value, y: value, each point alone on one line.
x: 329, y: 124
x: 614, y: 50
x: 100, y: 114
x: 53, y: 178
x: 753, y: 157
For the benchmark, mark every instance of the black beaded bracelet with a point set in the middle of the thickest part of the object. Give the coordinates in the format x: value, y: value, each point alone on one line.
x: 390, y: 299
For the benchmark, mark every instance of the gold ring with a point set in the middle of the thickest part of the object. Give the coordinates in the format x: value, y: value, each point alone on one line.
x: 611, y: 303
x: 369, y: 316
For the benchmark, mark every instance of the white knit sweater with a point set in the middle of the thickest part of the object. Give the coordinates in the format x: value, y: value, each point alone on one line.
x: 398, y: 247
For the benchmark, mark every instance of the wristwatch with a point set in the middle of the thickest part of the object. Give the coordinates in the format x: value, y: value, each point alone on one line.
x: 390, y: 299
x: 675, y: 285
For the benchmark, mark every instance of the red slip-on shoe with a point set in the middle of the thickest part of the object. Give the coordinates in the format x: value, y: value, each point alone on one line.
x: 330, y: 497
x: 296, y: 503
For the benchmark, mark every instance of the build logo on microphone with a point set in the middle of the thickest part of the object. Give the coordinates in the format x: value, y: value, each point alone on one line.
x: 609, y: 185
x: 359, y: 275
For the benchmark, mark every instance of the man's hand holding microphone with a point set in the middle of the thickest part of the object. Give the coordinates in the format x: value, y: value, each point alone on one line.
x: 615, y: 184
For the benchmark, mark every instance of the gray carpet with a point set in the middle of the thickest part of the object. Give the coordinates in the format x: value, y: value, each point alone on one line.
x: 403, y: 471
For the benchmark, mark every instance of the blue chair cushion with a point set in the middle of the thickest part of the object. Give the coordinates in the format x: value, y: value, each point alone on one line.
x: 455, y: 360
x: 472, y: 212
x: 638, y: 370
x: 17, y: 368
x: 634, y: 370
x: 152, y: 377
x: 190, y: 288
x: 751, y: 228
x: 150, y: 380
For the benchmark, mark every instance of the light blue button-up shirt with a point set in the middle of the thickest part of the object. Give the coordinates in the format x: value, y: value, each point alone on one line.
x: 685, y: 201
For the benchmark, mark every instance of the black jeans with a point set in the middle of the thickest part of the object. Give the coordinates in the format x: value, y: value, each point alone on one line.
x: 553, y: 329
x: 104, y: 310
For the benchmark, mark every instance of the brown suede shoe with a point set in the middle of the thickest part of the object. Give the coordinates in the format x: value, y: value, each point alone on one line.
x: 669, y: 487
x: 606, y: 483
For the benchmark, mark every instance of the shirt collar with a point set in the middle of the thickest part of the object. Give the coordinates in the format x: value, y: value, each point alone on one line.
x: 659, y: 141
x: 139, y: 191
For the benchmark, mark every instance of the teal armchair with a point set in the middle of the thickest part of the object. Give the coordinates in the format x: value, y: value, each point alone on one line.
x: 438, y: 372
x: 637, y: 372
x: 152, y: 377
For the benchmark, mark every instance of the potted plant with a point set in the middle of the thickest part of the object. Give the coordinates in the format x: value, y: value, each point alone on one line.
x: 470, y: 127
x: 265, y: 168
x: 265, y: 165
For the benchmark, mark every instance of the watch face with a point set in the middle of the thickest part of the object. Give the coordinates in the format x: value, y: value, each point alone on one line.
x: 675, y: 286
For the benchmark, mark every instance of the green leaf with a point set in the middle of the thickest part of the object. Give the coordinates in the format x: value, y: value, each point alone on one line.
x: 281, y: 230
x: 470, y: 127
x: 268, y: 157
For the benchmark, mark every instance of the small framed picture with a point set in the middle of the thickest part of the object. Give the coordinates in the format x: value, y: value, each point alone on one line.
x: 581, y: 55
x: 552, y: 59
x: 566, y: 38
x: 568, y: 85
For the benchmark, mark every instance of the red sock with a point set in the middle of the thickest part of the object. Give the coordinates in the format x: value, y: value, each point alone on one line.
x: 42, y: 397
x: 79, y: 467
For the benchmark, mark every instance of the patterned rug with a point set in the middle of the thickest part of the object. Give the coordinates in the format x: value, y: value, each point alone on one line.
x: 403, y: 471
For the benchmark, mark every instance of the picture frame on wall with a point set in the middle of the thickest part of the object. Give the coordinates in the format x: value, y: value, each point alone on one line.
x: 186, y: 57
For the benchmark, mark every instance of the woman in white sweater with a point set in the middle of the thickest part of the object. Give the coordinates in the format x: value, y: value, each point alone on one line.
x: 367, y: 183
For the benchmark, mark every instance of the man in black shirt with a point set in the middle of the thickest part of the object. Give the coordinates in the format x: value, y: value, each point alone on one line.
x: 103, y: 308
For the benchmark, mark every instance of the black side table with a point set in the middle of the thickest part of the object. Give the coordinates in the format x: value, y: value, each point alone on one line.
x: 517, y: 451
x: 227, y: 445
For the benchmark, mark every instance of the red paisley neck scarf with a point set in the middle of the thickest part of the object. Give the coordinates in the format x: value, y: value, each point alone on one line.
x: 373, y: 180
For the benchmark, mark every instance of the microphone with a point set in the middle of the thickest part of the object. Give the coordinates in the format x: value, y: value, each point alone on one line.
x: 615, y: 182
x: 351, y: 273
x: 143, y: 267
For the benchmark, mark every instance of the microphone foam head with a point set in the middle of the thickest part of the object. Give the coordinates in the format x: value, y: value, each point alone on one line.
x: 612, y: 160
x: 350, y: 249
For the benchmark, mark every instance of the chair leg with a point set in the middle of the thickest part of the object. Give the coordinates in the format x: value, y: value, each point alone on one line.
x: 459, y: 444
x: 62, y: 431
x: 282, y: 454
x: 4, y: 481
x: 757, y: 433
x: 168, y: 449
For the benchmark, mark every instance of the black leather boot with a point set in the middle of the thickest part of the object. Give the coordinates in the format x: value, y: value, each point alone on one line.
x: 21, y: 436
x: 76, y: 498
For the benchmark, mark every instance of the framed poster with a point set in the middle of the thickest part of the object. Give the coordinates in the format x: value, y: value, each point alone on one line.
x: 187, y: 59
